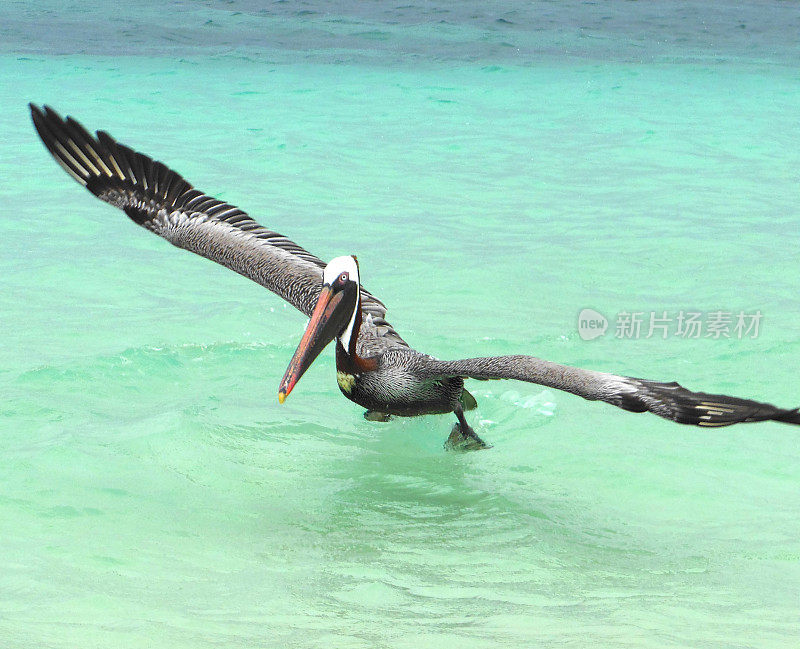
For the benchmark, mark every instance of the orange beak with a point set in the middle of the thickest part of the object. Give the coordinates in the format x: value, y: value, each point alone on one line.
x: 327, y: 320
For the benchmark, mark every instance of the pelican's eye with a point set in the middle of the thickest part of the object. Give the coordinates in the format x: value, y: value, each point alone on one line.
x: 343, y: 278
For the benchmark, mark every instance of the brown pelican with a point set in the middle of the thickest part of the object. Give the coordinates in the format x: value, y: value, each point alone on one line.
x: 375, y: 367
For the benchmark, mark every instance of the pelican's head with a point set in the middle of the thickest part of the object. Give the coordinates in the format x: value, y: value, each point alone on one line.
x: 334, y: 316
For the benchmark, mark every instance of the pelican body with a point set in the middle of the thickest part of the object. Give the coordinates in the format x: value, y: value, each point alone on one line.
x: 375, y: 367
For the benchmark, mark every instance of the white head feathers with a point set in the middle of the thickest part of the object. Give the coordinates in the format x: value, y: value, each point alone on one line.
x: 339, y: 265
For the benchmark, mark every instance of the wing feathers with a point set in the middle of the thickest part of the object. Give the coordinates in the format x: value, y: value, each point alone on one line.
x: 668, y: 400
x: 153, y: 195
x: 161, y: 200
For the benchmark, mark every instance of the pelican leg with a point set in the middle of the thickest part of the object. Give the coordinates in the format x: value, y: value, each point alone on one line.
x: 462, y: 437
x: 374, y: 415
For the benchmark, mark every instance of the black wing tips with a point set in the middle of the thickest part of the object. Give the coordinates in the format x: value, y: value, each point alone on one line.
x: 112, y: 171
x: 48, y: 124
x: 674, y: 402
x: 791, y: 416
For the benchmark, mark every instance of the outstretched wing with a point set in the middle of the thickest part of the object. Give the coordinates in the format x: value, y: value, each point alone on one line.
x: 160, y: 200
x: 668, y: 400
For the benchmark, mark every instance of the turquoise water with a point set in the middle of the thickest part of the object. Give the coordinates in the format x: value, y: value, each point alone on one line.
x: 496, y: 171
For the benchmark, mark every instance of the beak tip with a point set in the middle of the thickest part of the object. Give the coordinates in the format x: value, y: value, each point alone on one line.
x: 281, y: 396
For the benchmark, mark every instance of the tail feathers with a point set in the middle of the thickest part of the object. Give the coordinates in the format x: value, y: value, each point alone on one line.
x: 468, y: 402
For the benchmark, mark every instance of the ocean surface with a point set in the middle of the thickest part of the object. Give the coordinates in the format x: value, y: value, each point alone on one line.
x: 497, y: 167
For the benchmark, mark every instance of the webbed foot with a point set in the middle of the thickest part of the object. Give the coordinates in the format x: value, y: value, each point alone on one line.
x: 374, y: 415
x: 464, y: 439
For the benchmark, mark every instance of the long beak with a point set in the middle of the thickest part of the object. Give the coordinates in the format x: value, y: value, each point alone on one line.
x: 321, y: 329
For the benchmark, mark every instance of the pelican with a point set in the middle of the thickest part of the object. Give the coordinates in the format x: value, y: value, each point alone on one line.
x: 375, y: 367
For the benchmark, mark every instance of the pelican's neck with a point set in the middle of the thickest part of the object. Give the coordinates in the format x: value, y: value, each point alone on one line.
x: 349, y: 336
x: 347, y: 360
